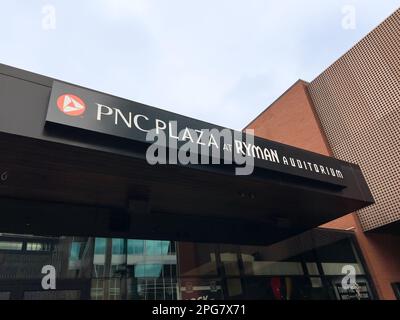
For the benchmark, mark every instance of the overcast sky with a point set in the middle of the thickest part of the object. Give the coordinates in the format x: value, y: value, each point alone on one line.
x: 222, y: 61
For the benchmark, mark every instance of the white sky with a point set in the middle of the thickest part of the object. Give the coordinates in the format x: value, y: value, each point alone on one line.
x: 222, y: 61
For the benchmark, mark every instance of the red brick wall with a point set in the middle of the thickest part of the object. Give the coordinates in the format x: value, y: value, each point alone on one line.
x: 292, y: 120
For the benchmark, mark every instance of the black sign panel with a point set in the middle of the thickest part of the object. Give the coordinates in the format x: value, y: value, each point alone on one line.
x: 98, y: 112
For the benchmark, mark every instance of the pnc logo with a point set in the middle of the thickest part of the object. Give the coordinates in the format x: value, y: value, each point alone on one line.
x: 71, y: 105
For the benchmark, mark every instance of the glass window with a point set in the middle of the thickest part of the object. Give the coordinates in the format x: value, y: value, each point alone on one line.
x: 52, y: 295
x: 150, y: 289
x: 197, y: 259
x: 337, y: 255
x: 361, y: 290
x: 153, y: 247
x: 98, y: 271
x: 75, y: 251
x: 230, y: 263
x: 136, y: 247
x: 312, y: 269
x: 333, y: 268
x: 234, y: 288
x: 258, y: 268
x: 100, y: 246
x: 10, y: 245
x: 263, y: 260
x: 164, y: 247
x: 97, y: 289
x: 316, y: 282
x: 284, y: 288
x: 118, y: 246
x: 114, y: 289
x: 148, y: 270
x: 172, y: 247
x: 153, y: 270
x: 5, y: 295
